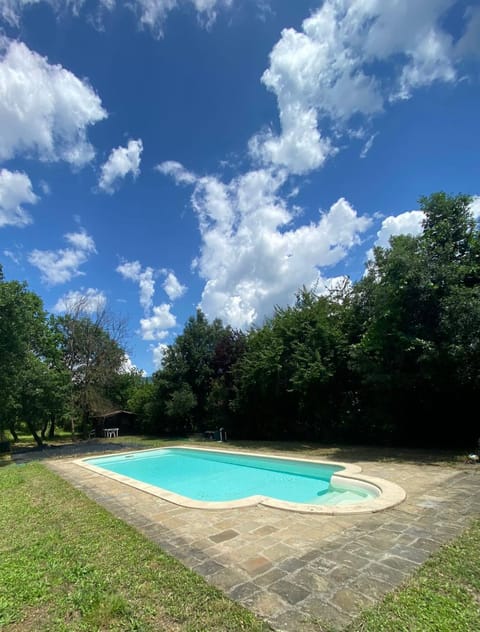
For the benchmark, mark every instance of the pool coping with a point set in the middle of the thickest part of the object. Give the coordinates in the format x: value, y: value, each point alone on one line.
x: 390, y: 495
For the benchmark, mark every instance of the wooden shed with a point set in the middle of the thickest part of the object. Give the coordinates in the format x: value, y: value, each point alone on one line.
x: 124, y: 420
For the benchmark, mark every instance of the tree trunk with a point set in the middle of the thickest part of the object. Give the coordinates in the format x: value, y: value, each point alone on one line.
x: 13, y: 432
x: 51, y: 432
x: 38, y: 440
x: 85, y: 420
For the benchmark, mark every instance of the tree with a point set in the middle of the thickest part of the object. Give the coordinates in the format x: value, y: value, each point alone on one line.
x: 415, y: 338
x: 188, y: 369
x: 290, y: 378
x: 23, y: 329
x: 93, y: 355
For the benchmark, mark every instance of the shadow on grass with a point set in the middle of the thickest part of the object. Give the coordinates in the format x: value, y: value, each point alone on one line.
x: 333, y: 452
x: 355, y: 453
x: 74, y: 449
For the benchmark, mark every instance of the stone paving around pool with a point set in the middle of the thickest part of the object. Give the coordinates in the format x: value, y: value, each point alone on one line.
x: 300, y: 571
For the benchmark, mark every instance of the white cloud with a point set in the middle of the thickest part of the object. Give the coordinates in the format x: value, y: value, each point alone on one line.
x: 173, y: 288
x: 81, y: 241
x: 132, y: 270
x: 128, y: 366
x: 13, y: 256
x: 45, y: 187
x: 121, y: 162
x: 91, y: 300
x: 177, y: 172
x: 408, y: 223
x: 158, y: 352
x: 475, y: 206
x: 155, y: 327
x: 15, y: 190
x: 59, y: 266
x: 368, y: 145
x: 11, y: 10
x: 327, y: 73
x: 252, y: 257
x: 44, y: 109
x: 153, y: 13
x: 150, y: 13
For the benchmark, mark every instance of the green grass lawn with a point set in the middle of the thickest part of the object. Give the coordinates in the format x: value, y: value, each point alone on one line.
x: 67, y: 564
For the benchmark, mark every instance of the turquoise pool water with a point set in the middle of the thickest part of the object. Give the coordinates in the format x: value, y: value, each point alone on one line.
x: 221, y: 476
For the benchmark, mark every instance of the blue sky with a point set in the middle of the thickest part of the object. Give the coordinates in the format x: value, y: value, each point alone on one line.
x: 160, y: 155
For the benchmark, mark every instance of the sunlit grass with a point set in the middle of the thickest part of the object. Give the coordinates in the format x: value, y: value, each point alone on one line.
x: 67, y: 564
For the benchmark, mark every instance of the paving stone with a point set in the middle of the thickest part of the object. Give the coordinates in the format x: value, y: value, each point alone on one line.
x: 229, y: 534
x: 410, y: 553
x: 316, y: 583
x: 289, y: 592
x: 310, y: 556
x: 293, y: 621
x: 427, y: 544
x: 243, y: 591
x: 387, y: 574
x: 370, y: 587
x: 418, y: 532
x: 323, y: 564
x: 350, y: 601
x: 291, y: 564
x: 349, y: 559
x: 256, y: 565
x: 405, y: 540
x: 267, y: 529
x: 228, y: 578
x: 325, y: 615
x: 208, y: 568
x: 340, y: 574
x: 398, y: 563
x: 269, y: 577
x: 278, y: 551
x: 268, y: 604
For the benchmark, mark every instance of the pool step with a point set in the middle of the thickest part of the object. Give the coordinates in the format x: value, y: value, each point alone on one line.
x: 338, y: 497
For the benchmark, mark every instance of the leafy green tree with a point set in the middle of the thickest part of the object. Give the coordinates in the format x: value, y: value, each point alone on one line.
x: 93, y: 355
x: 121, y: 388
x: 22, y: 321
x: 188, y: 369
x: 180, y: 407
x: 290, y: 379
x: 416, y: 313
x: 42, y: 396
x: 143, y: 402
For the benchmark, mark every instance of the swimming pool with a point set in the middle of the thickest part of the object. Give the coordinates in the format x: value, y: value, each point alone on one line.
x: 216, y: 479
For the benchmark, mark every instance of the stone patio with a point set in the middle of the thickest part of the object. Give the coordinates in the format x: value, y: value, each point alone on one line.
x: 301, y: 571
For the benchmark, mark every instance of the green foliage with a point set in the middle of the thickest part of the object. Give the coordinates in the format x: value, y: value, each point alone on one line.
x: 414, y: 331
x: 194, y: 388
x: 180, y: 407
x: 288, y: 380
x: 94, y: 358
x: 51, y: 366
x: 32, y: 381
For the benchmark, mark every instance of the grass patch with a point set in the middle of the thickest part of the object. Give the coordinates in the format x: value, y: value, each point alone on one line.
x: 443, y: 596
x: 67, y: 564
